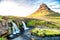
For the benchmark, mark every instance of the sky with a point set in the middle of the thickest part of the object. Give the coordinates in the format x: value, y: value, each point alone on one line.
x: 26, y: 7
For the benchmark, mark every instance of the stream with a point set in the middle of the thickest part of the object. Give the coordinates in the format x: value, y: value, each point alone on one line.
x: 27, y: 35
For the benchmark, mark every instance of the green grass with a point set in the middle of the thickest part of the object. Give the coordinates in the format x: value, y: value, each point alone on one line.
x: 55, y: 19
x: 42, y: 23
x: 46, y: 32
x: 35, y: 22
x: 2, y: 38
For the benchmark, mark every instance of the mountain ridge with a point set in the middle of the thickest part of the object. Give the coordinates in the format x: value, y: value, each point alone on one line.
x: 43, y: 10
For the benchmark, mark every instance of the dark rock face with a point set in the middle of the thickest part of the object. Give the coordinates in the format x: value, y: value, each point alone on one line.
x: 44, y: 7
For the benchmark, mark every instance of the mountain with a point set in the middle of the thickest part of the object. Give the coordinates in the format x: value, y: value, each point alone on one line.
x: 43, y: 11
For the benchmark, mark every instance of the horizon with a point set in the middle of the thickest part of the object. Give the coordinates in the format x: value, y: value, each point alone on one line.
x: 25, y: 7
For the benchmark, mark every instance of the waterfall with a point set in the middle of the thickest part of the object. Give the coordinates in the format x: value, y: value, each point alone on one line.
x: 15, y: 28
x: 24, y: 26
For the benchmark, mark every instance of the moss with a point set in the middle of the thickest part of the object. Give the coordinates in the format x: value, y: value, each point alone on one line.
x: 48, y: 32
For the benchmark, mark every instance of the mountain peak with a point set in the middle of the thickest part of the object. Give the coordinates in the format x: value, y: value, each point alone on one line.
x: 43, y: 10
x: 43, y: 6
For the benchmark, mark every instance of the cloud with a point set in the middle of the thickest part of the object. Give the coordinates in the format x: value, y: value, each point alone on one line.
x: 53, y: 3
x: 25, y: 7
x: 55, y: 6
x: 12, y: 8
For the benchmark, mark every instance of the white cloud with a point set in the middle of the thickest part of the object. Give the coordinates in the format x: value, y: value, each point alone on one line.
x: 53, y: 3
x: 54, y: 6
x: 12, y: 8
x: 23, y: 8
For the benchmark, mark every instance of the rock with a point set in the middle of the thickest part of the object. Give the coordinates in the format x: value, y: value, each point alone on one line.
x: 3, y: 27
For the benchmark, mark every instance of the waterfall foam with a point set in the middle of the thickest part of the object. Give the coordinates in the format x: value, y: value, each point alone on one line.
x: 15, y: 28
x: 24, y: 26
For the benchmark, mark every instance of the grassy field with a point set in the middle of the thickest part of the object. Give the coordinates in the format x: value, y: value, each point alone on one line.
x: 45, y: 32
x: 1, y: 38
x: 42, y: 23
x: 54, y: 17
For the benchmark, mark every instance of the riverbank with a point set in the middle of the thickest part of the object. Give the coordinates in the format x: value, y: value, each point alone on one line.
x: 45, y: 32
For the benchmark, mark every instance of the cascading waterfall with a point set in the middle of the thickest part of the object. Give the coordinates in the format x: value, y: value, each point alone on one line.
x: 15, y: 30
x: 24, y: 26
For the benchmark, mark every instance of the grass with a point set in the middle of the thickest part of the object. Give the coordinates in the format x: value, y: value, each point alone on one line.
x: 35, y: 22
x: 2, y: 38
x: 55, y: 19
x: 45, y: 32
x: 42, y: 23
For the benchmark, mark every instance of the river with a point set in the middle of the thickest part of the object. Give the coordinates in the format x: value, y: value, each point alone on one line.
x: 27, y: 36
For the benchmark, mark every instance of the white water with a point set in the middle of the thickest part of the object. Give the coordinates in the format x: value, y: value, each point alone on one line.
x: 15, y: 28
x: 24, y: 26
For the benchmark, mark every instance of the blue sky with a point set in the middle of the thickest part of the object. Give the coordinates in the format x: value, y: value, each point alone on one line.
x: 30, y: 6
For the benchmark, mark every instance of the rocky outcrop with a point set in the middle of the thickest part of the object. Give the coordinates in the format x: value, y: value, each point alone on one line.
x: 3, y: 27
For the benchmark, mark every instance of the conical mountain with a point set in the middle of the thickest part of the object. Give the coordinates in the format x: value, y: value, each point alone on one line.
x: 43, y: 7
x: 43, y: 10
